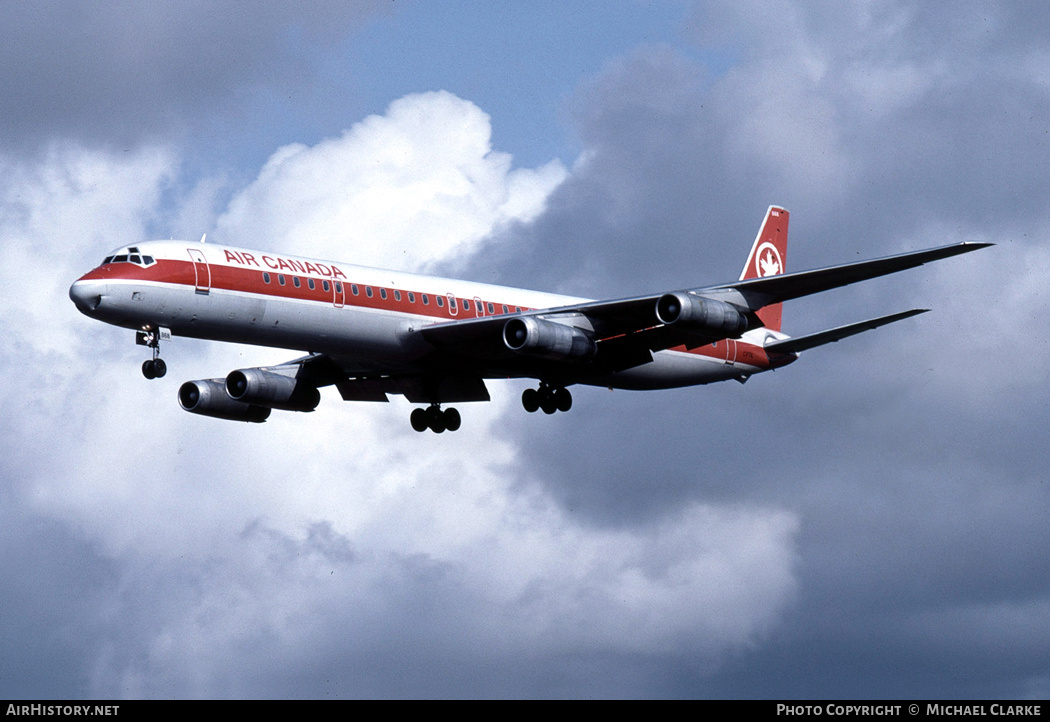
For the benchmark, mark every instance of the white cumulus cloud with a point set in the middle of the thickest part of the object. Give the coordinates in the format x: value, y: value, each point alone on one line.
x: 403, y: 189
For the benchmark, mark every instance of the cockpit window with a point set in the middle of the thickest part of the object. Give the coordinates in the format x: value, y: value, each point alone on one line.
x: 131, y: 256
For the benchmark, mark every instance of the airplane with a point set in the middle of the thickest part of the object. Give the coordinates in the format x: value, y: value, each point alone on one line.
x: 436, y: 341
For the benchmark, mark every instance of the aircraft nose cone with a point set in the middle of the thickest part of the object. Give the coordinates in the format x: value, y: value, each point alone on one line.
x: 86, y: 295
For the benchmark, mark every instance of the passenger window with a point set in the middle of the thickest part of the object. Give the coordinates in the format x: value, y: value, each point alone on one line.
x: 426, y: 300
x: 368, y: 291
x: 440, y: 302
x: 397, y: 295
x: 411, y: 297
x: 382, y: 293
x: 338, y: 287
x: 324, y: 284
x: 295, y: 281
x: 310, y: 283
x: 266, y: 277
x: 466, y: 305
x: 354, y: 289
x: 452, y: 303
x: 505, y: 309
x: 280, y: 278
x: 491, y: 309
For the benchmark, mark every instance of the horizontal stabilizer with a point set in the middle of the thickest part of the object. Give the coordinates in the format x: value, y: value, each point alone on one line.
x: 802, y: 343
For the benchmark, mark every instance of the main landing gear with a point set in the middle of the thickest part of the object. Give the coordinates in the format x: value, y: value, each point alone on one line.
x: 154, y: 368
x: 435, y: 419
x: 547, y: 397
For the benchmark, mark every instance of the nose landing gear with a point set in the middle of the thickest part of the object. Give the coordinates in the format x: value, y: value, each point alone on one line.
x: 154, y: 368
x: 435, y: 419
x: 547, y: 397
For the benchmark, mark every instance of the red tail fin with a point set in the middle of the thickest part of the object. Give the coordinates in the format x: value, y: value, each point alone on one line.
x: 767, y: 258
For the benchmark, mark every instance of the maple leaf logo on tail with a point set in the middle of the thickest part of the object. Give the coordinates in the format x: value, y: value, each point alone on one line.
x: 767, y: 258
x: 768, y: 261
x: 769, y: 265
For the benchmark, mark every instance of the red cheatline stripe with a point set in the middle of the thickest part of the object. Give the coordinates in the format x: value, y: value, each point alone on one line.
x: 244, y: 280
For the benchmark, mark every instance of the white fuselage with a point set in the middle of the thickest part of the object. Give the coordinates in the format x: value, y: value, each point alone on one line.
x: 364, y: 317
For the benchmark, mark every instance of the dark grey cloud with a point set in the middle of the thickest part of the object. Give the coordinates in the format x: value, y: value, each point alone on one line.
x: 876, y: 133
x: 119, y: 72
x: 54, y: 585
x: 636, y: 190
x: 912, y: 455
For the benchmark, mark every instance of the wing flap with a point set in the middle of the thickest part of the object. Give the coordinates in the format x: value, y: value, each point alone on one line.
x: 453, y: 388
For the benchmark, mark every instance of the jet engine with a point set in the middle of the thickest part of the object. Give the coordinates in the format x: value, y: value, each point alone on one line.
x: 209, y: 398
x: 703, y: 315
x: 277, y: 391
x: 532, y: 336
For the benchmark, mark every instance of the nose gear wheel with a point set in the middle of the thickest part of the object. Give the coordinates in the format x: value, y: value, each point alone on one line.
x: 154, y: 368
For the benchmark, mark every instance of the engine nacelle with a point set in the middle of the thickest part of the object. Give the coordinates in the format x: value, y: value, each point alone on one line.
x: 528, y: 335
x: 703, y: 315
x: 209, y: 398
x: 265, y: 388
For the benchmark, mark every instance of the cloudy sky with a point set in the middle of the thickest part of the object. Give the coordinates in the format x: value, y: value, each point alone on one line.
x: 869, y: 522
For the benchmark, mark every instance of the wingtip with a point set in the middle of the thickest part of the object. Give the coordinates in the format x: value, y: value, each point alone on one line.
x: 908, y: 314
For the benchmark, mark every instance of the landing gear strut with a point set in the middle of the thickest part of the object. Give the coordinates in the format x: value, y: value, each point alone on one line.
x: 435, y: 419
x: 154, y: 368
x: 547, y: 397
